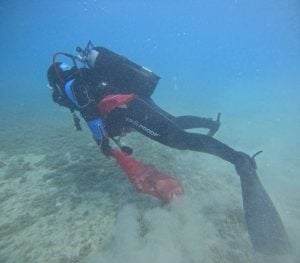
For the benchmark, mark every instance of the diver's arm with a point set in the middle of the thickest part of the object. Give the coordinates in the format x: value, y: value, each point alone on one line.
x: 97, y: 129
x: 78, y: 92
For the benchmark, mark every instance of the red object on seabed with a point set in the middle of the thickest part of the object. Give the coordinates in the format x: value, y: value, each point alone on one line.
x: 147, y: 179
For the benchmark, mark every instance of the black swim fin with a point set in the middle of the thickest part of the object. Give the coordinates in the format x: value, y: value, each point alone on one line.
x: 215, y: 125
x: 265, y: 227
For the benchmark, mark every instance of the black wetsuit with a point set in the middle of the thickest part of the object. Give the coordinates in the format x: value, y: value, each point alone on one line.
x: 143, y: 115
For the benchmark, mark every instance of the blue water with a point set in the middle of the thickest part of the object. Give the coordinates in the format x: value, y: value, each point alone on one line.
x: 210, y: 46
x: 241, y: 58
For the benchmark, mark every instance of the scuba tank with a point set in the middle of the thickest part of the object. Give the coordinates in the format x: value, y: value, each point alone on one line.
x: 119, y: 72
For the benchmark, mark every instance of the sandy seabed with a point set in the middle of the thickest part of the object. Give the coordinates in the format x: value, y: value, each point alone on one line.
x: 62, y: 201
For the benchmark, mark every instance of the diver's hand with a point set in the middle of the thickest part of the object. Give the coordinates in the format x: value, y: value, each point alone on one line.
x: 216, y: 126
x: 104, y: 146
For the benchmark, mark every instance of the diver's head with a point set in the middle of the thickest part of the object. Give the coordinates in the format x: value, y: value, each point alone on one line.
x: 58, y: 74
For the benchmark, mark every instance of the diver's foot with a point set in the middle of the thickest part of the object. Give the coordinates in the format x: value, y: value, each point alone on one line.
x: 215, y: 126
x: 245, y: 164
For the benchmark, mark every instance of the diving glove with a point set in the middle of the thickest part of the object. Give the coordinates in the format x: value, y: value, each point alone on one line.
x: 105, y: 147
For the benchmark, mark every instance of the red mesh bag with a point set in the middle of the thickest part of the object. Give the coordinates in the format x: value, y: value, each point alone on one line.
x: 147, y: 179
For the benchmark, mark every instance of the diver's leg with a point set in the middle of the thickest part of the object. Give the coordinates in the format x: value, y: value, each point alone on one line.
x: 191, y: 122
x: 188, y: 121
x: 153, y: 123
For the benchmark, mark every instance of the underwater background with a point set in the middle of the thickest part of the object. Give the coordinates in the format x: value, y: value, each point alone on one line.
x: 62, y: 201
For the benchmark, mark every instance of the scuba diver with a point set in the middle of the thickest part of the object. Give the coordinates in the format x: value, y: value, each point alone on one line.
x: 113, y: 95
x: 82, y: 89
